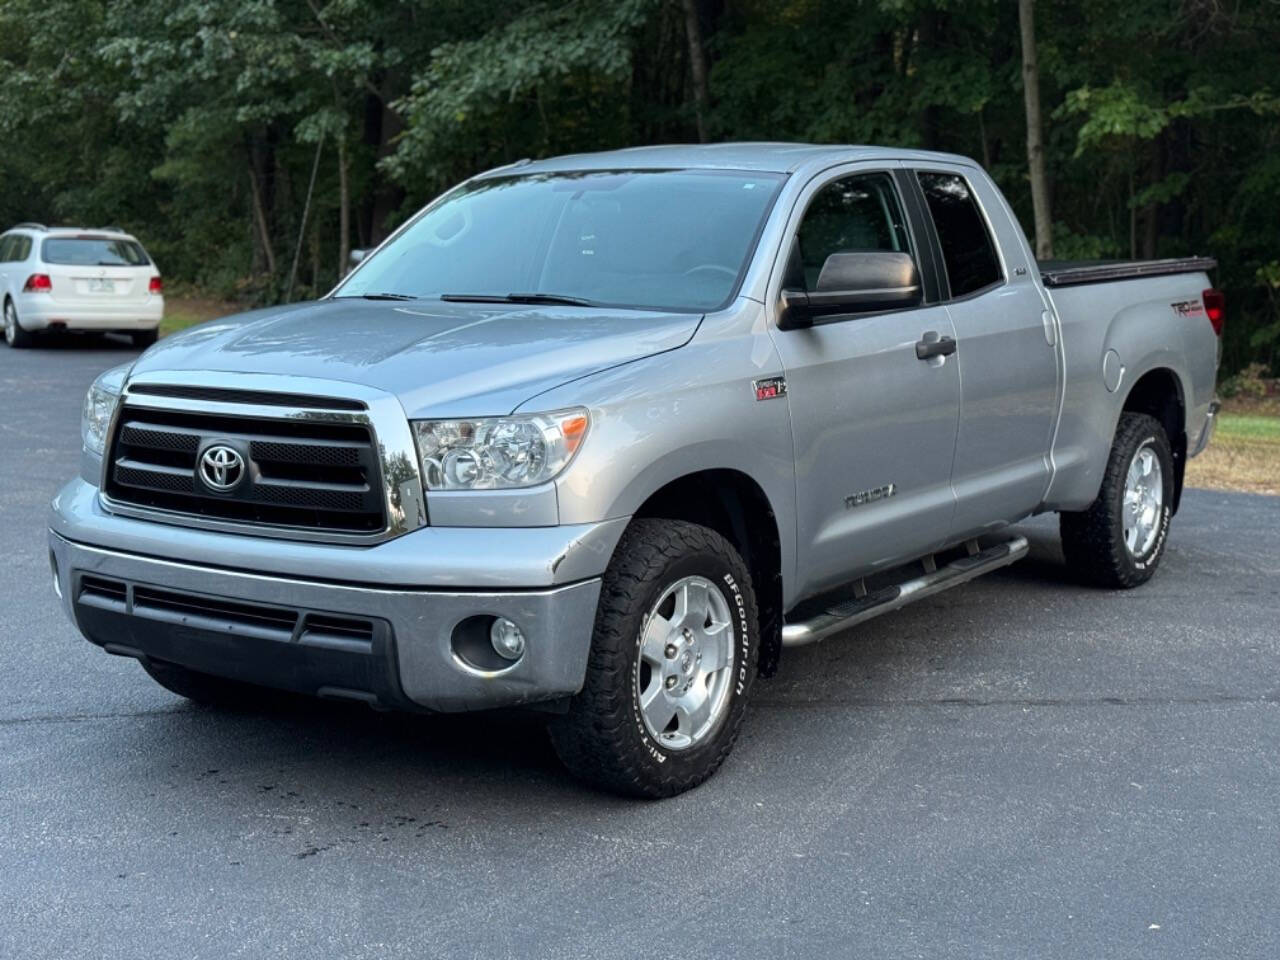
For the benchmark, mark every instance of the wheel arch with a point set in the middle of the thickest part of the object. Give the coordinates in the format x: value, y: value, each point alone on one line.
x: 735, y: 506
x: 1160, y: 393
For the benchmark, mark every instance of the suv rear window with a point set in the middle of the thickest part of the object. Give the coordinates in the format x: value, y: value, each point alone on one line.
x: 93, y: 252
x: 966, y: 245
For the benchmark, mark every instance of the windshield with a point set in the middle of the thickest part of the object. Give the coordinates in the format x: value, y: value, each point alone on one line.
x: 657, y: 239
x: 93, y: 252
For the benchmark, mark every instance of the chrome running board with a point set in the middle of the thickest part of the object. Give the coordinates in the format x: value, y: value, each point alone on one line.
x: 864, y: 606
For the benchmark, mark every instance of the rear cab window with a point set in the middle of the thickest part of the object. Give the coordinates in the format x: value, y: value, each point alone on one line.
x: 967, y: 248
x: 93, y: 252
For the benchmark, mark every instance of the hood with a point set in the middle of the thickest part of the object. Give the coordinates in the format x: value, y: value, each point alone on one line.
x: 440, y: 359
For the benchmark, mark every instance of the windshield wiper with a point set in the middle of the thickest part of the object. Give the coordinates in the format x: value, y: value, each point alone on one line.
x: 378, y: 296
x: 516, y: 298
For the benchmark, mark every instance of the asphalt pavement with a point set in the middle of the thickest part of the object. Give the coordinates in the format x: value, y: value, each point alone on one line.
x: 1024, y: 767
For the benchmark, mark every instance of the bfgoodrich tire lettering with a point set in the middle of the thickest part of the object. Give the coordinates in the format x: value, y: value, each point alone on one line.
x: 604, y: 738
x: 1093, y: 540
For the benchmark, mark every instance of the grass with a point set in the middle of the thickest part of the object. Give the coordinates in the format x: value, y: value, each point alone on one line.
x: 183, y: 312
x: 1243, y: 455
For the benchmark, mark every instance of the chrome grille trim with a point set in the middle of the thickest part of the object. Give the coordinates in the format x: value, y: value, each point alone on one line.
x: 383, y: 416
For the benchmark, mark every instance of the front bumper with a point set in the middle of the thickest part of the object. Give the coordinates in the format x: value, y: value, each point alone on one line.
x: 221, y: 603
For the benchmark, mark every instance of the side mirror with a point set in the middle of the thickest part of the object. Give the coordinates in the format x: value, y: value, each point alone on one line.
x: 355, y: 256
x: 853, y: 283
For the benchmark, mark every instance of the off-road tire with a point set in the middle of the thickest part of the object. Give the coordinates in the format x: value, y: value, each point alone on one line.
x: 602, y: 738
x: 204, y: 688
x: 1093, y: 539
x: 14, y: 335
x: 144, y: 338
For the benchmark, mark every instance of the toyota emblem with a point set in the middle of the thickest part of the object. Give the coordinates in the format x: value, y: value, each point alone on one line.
x: 222, y: 467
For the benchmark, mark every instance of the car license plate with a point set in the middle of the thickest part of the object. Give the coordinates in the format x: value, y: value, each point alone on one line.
x: 97, y: 285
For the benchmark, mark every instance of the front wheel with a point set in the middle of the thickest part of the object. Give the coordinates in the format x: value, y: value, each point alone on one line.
x: 672, y: 663
x: 1119, y: 539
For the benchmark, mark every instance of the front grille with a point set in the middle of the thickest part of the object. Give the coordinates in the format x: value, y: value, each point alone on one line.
x: 307, y: 474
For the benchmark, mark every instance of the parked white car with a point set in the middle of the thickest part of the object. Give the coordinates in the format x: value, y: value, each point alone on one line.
x: 73, y: 278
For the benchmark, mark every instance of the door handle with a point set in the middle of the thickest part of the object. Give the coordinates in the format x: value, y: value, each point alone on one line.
x: 932, y: 345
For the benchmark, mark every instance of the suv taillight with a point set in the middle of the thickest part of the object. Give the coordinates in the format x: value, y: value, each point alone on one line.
x: 1215, y: 306
x: 157, y: 285
x: 38, y: 283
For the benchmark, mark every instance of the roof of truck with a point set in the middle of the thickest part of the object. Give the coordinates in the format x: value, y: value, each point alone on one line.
x: 763, y: 157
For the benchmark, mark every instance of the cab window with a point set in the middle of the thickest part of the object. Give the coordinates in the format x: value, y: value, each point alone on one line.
x: 853, y: 214
x: 967, y: 250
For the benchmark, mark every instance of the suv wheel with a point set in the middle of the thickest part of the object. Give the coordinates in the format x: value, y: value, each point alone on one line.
x: 14, y: 335
x: 1119, y: 540
x: 672, y: 663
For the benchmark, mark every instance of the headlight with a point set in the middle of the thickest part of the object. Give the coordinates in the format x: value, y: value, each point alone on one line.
x: 99, y: 405
x: 498, y: 453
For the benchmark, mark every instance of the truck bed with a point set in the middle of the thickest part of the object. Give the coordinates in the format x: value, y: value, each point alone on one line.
x: 1071, y: 273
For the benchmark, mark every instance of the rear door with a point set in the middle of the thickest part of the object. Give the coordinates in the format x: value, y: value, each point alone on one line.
x: 874, y: 426
x: 92, y: 270
x: 1007, y: 350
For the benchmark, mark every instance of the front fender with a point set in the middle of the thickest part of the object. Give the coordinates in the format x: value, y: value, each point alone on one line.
x: 689, y: 410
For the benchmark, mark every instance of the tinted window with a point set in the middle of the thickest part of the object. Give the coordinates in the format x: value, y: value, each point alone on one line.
x: 93, y: 252
x: 849, y: 215
x: 22, y: 248
x: 966, y: 245
x: 6, y: 248
x: 665, y: 239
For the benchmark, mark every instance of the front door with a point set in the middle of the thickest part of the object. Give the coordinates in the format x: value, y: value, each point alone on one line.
x: 874, y: 425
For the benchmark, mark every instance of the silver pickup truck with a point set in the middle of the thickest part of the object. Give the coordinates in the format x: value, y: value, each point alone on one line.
x: 601, y: 435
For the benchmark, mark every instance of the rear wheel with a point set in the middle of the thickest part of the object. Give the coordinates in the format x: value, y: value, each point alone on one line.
x: 1119, y: 540
x: 144, y: 338
x: 672, y: 663
x: 203, y: 688
x: 14, y: 335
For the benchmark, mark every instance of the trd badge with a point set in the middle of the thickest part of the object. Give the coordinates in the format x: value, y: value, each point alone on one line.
x: 770, y: 388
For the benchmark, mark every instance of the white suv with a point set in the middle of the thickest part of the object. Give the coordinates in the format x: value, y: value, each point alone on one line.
x: 69, y: 278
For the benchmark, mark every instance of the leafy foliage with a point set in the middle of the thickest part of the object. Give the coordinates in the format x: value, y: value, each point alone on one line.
x: 196, y: 123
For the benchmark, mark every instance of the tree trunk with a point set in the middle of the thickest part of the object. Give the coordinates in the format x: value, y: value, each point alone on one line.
x: 315, y: 257
x: 260, y: 218
x: 926, y: 43
x: 1151, y: 212
x: 344, y: 209
x: 697, y: 67
x: 1035, y: 144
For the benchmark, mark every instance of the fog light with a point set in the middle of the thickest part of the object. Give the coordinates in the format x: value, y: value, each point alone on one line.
x: 507, y: 639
